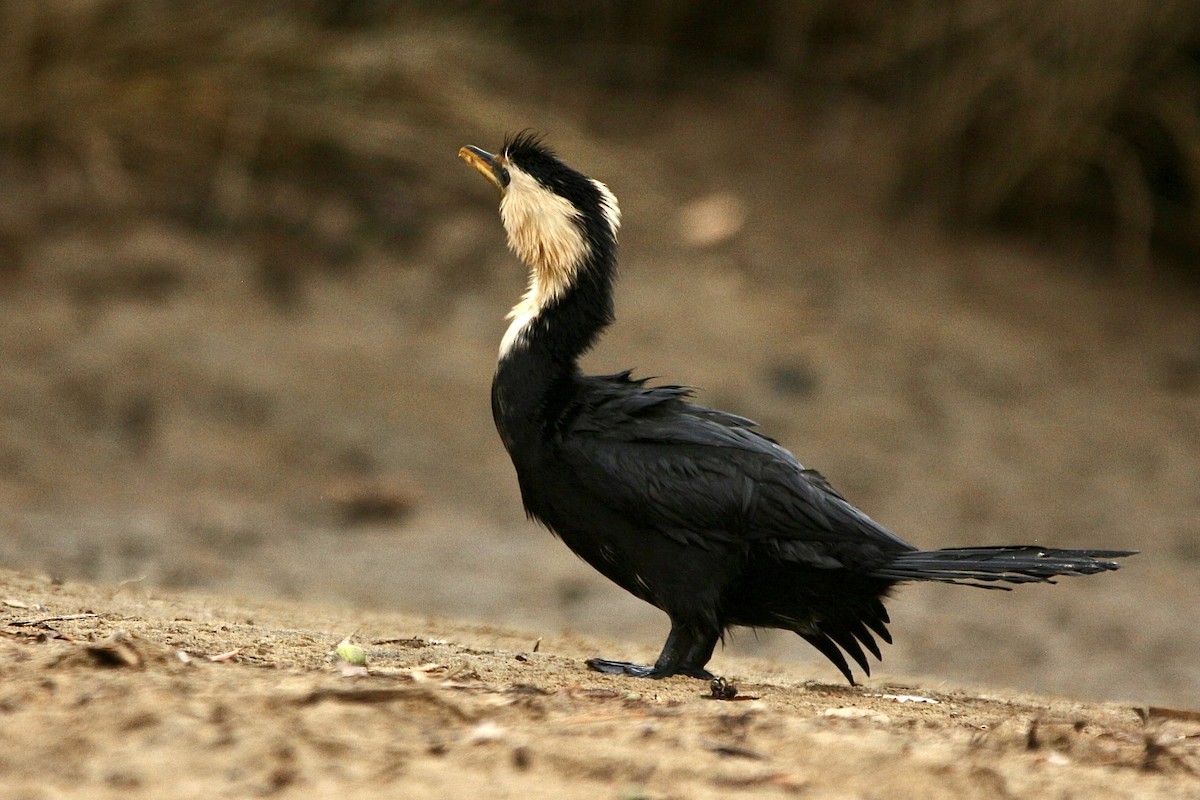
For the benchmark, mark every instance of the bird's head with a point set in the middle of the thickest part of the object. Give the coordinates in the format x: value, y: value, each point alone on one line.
x: 558, y: 221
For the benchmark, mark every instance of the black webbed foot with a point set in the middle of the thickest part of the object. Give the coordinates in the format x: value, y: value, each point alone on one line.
x: 609, y: 667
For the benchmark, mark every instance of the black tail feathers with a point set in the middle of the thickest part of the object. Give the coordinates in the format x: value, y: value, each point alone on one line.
x: 984, y: 566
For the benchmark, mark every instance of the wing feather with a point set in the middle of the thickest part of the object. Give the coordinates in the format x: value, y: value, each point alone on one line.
x: 685, y: 470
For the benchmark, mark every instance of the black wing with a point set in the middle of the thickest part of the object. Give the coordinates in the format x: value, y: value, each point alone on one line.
x: 702, y: 475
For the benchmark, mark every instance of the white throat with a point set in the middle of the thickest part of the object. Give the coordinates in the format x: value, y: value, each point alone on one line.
x: 544, y: 232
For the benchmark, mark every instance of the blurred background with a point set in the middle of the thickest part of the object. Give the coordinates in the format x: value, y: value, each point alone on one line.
x: 947, y: 252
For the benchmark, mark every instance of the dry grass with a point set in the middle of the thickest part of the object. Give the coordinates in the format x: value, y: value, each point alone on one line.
x: 1067, y: 114
x: 265, y: 121
x: 1063, y: 112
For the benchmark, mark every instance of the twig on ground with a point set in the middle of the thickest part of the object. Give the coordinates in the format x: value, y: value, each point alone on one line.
x: 24, y: 623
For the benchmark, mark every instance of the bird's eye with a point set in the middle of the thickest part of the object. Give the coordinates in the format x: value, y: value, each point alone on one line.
x: 502, y: 174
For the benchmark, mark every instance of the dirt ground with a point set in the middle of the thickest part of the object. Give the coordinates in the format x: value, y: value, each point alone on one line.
x: 298, y: 414
x: 120, y: 691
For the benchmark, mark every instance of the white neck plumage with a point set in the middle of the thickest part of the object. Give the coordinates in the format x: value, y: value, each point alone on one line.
x: 544, y: 231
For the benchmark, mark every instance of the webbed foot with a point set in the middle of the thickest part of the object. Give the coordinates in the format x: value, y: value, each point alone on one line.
x: 609, y: 667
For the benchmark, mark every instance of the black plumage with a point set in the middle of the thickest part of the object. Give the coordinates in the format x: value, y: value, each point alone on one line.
x: 688, y: 508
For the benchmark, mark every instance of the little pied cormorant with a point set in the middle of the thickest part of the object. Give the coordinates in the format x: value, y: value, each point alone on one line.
x: 686, y: 507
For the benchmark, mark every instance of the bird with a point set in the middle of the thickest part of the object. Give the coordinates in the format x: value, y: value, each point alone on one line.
x: 689, y: 508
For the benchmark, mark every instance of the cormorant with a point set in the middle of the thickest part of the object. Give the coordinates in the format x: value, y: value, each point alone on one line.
x: 688, y: 508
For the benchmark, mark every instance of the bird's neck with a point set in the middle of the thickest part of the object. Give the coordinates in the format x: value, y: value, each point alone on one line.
x: 539, y: 356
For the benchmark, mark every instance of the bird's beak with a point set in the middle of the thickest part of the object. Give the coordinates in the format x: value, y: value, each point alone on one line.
x: 483, y: 161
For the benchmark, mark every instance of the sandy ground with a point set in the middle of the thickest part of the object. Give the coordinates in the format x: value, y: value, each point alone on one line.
x: 191, y: 406
x: 116, y: 691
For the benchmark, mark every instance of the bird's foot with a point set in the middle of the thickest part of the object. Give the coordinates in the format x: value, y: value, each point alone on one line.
x: 643, y: 671
x: 620, y: 668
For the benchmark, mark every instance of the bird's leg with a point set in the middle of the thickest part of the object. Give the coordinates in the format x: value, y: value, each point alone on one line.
x: 698, y: 655
x: 686, y: 652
